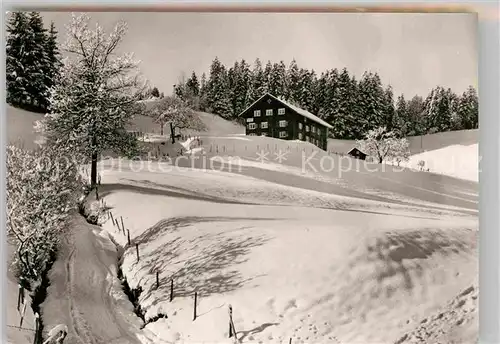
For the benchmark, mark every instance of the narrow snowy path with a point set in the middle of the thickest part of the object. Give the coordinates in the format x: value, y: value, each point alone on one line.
x: 85, y: 293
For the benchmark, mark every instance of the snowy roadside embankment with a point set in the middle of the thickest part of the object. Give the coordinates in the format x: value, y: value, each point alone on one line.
x: 85, y: 293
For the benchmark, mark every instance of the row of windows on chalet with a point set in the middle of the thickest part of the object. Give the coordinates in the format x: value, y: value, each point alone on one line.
x: 282, y: 123
x: 269, y: 112
x: 274, y: 117
x: 265, y: 125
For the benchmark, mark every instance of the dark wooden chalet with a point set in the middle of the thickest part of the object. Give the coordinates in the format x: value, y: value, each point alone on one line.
x: 274, y: 117
x: 356, y: 153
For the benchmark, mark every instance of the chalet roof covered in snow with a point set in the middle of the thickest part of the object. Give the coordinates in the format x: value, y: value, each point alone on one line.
x: 295, y: 108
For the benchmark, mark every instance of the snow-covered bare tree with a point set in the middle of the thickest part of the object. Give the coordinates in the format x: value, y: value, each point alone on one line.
x: 401, y: 150
x: 96, y: 96
x: 43, y: 188
x: 380, y: 143
x: 176, y: 112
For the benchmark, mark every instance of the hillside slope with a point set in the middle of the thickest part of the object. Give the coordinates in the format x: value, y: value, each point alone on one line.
x: 368, y: 271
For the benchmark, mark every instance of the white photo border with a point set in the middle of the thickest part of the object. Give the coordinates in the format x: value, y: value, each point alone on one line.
x: 489, y: 115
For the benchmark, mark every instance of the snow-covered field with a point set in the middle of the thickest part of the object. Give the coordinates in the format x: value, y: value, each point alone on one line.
x: 293, y: 263
x: 310, y: 266
x: 459, y: 161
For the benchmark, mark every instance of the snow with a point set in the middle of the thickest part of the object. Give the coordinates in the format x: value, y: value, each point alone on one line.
x: 295, y: 264
x: 459, y: 161
x: 235, y: 137
x: 235, y: 162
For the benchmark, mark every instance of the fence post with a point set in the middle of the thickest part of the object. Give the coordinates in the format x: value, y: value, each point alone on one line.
x: 20, y: 288
x: 123, y: 227
x: 232, y: 330
x: 157, y: 279
x: 37, y: 328
x: 128, y: 236
x: 137, y: 251
x: 22, y: 315
x: 195, y: 301
x: 171, y: 289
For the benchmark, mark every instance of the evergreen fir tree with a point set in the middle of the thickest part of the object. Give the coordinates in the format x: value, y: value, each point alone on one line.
x: 268, y: 70
x: 203, y: 84
x: 439, y: 110
x: 294, y: 91
x: 218, y: 90
x: 17, y: 77
x: 306, y: 88
x: 203, y: 93
x: 192, y: 85
x: 258, y: 82
x: 281, y: 79
x: 320, y: 92
x: 400, y: 119
x: 53, y: 56
x: 467, y: 109
x: 239, y: 78
x: 416, y: 116
x: 155, y: 92
x: 38, y: 65
x: 373, y: 101
x: 390, y: 110
x: 346, y: 121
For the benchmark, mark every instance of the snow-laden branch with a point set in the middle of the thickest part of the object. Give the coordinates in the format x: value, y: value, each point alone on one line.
x: 175, y: 111
x: 96, y: 97
x: 384, y: 145
x: 42, y: 189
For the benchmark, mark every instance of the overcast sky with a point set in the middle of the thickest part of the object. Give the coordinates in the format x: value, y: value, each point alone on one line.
x: 412, y: 52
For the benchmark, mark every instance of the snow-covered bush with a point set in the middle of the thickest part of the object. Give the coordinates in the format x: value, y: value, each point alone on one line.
x: 421, y: 164
x: 401, y: 150
x: 43, y: 188
x: 384, y: 145
x: 175, y: 111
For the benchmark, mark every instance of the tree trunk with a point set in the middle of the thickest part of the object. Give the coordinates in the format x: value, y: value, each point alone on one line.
x: 161, y: 128
x: 93, y: 171
x: 380, y: 160
x: 172, y: 132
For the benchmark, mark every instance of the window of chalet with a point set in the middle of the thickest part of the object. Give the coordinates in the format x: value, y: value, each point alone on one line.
x: 300, y: 136
x: 283, y: 124
x: 313, y: 129
x: 300, y: 126
x: 250, y: 119
x: 263, y: 125
x: 281, y: 111
x: 283, y: 134
x: 269, y: 112
x: 252, y: 126
x: 307, y: 138
x: 307, y: 128
x: 256, y: 113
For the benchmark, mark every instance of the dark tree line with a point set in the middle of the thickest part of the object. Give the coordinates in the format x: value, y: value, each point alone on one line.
x: 351, y: 106
x: 32, y: 61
